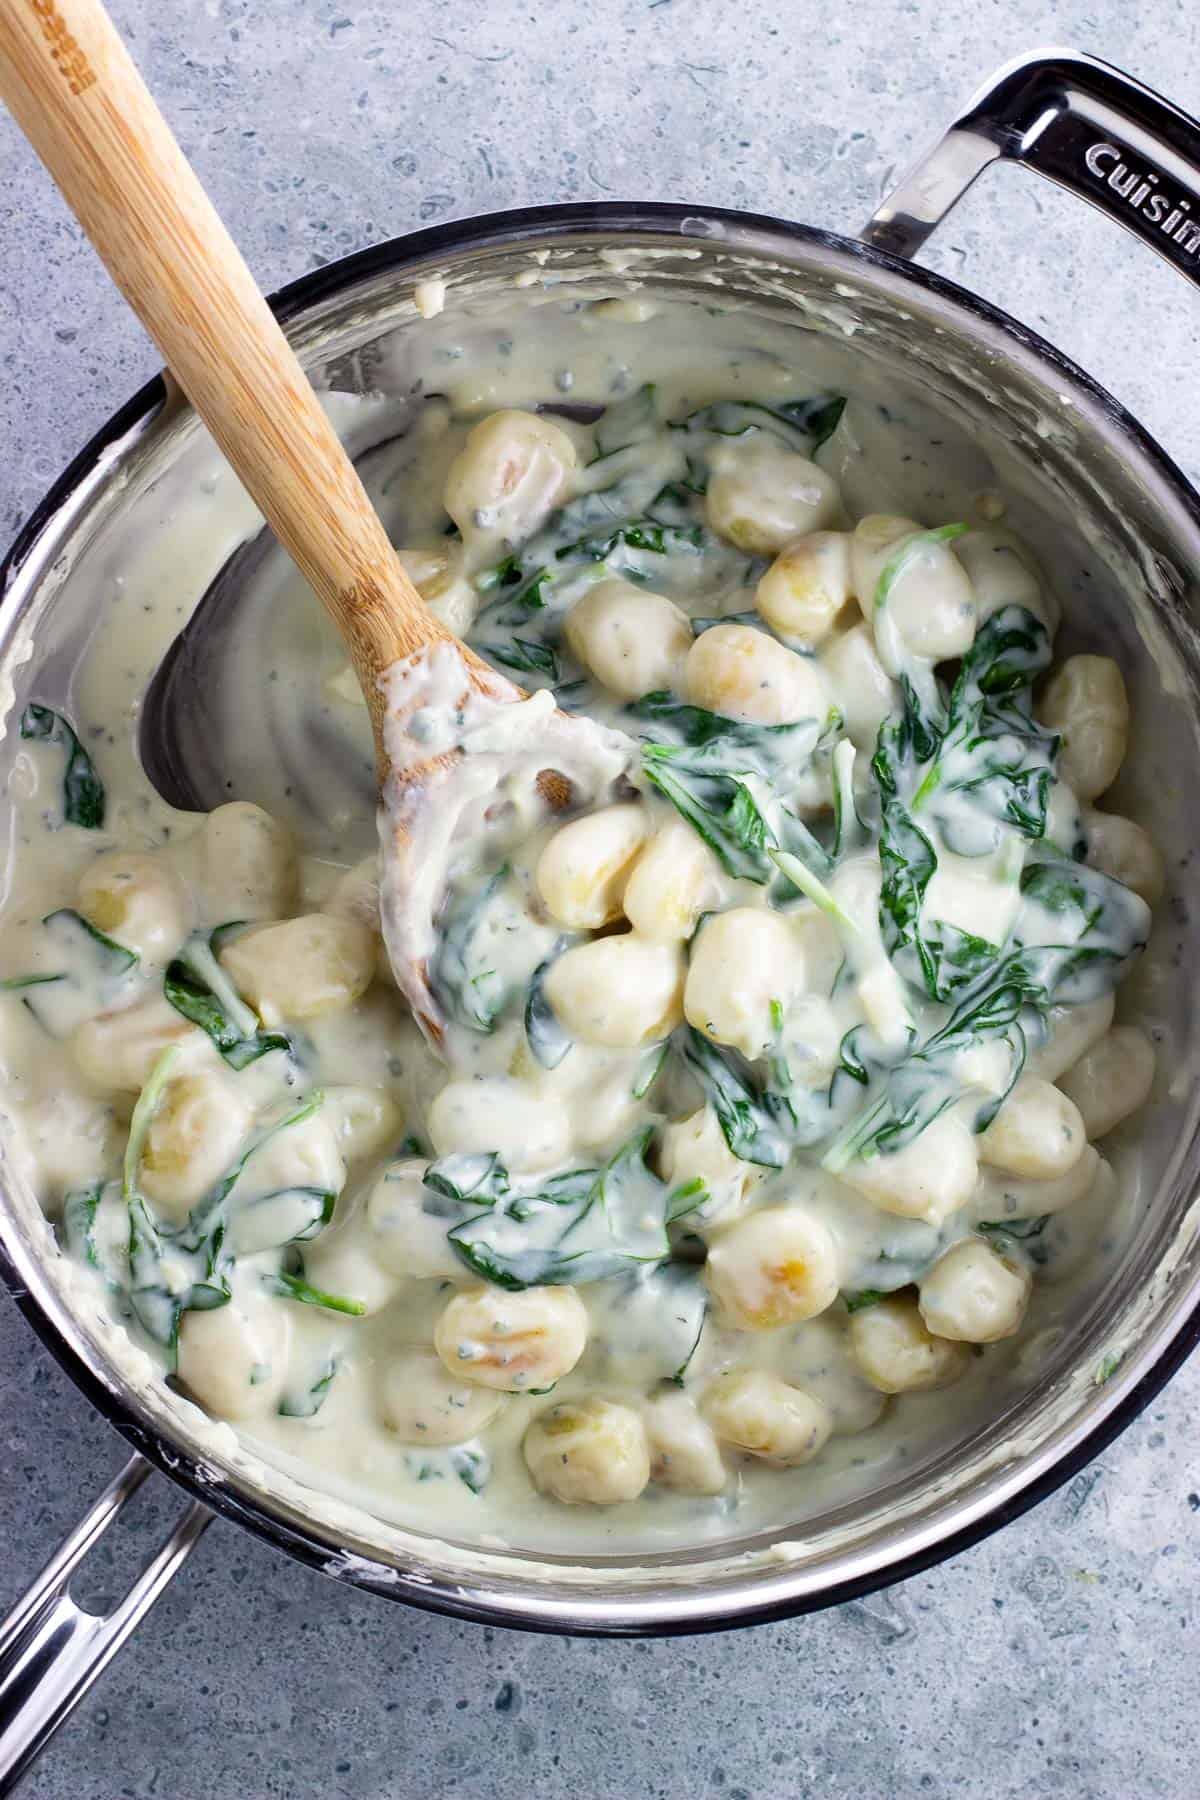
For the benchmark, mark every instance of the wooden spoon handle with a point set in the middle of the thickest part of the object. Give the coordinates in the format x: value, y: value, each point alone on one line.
x: 74, y: 90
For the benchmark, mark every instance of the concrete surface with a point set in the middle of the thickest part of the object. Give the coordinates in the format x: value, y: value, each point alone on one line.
x: 1057, y: 1658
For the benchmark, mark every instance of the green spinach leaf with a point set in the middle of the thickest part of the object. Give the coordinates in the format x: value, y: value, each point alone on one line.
x: 475, y: 1176
x: 304, y: 1403
x: 198, y: 987
x: 463, y: 977
x: 83, y: 797
x: 583, y: 1225
x: 701, y: 761
x: 631, y: 420
x: 548, y: 1041
x: 756, y: 1124
x: 864, y: 1298
x: 294, y: 1287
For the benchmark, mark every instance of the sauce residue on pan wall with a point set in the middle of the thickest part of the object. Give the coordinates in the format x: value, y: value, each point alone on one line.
x: 762, y: 1159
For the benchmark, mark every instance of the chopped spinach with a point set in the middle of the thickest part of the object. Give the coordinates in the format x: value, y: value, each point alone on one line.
x: 985, y: 764
x: 628, y: 421
x: 79, y: 1219
x: 87, y: 1229
x: 289, y: 1215
x: 799, y: 425
x: 548, y: 1041
x: 1005, y: 1234
x: 83, y: 798
x: 469, y: 1462
x: 994, y: 765
x: 197, y: 986
x: 96, y: 974
x: 662, y: 1308
x: 863, y: 1298
x: 701, y: 622
x: 757, y: 1125
x: 582, y: 1225
x: 472, y: 992
x: 200, y: 1254
x: 528, y: 656
x: 722, y: 811
x: 304, y: 1403
x: 702, y: 763
x: 472, y: 1464
x: 1103, y: 926
x: 476, y: 1176
x: 294, y: 1287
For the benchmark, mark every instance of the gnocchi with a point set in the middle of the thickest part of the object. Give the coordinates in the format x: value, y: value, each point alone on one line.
x: 407, y: 1223
x: 744, y: 674
x: 234, y: 1359
x: 513, y: 468
x: 897, y: 1352
x: 438, y: 575
x: 138, y: 900
x: 693, y: 1152
x: 1111, y: 1080
x: 1123, y: 850
x: 684, y: 1453
x: 1086, y: 702
x: 928, y: 1179
x: 807, y: 587
x: 1038, y: 1131
x: 115, y: 1051
x: 774, y: 1268
x: 930, y: 601
x: 756, y: 1412
x: 973, y: 1295
x: 1070, y: 1033
x: 746, y: 967
x: 1003, y: 572
x: 423, y: 1403
x: 301, y: 968
x: 193, y: 1138
x: 810, y: 993
x: 497, y: 1113
x: 591, y: 1452
x: 618, y: 992
x: 760, y: 499
x: 251, y: 871
x: 520, y: 1342
x: 634, y: 641
x: 582, y: 872
x: 866, y: 692
x: 671, y: 882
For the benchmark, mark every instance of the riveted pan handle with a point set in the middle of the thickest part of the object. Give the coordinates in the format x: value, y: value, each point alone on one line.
x: 51, y: 1649
x: 1083, y: 125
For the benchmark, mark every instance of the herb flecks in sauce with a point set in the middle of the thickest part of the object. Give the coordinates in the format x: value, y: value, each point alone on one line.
x: 705, y: 1197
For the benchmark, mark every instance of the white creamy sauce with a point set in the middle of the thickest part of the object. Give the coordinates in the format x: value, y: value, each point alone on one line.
x: 757, y: 1157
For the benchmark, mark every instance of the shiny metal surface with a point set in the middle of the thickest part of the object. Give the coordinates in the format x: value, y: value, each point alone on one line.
x: 349, y: 322
x: 52, y: 1650
x: 1083, y: 125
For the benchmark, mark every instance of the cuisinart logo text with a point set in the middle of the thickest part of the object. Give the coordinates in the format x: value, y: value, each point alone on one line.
x: 1143, y: 194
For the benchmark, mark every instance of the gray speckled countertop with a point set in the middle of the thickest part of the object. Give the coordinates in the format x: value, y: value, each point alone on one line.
x: 1056, y: 1658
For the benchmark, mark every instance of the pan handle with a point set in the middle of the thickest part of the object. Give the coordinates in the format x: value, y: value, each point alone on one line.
x: 51, y: 1650
x: 1080, y: 123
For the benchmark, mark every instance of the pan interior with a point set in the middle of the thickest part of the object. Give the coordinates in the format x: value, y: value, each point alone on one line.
x: 1121, y: 548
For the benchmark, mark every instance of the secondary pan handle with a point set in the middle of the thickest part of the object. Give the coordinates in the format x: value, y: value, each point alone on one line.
x: 51, y: 1649
x: 1083, y: 125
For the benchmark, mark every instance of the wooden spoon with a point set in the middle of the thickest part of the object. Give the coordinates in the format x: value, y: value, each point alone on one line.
x: 74, y: 90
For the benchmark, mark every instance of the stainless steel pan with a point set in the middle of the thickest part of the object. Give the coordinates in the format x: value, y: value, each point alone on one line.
x: 1085, y: 127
